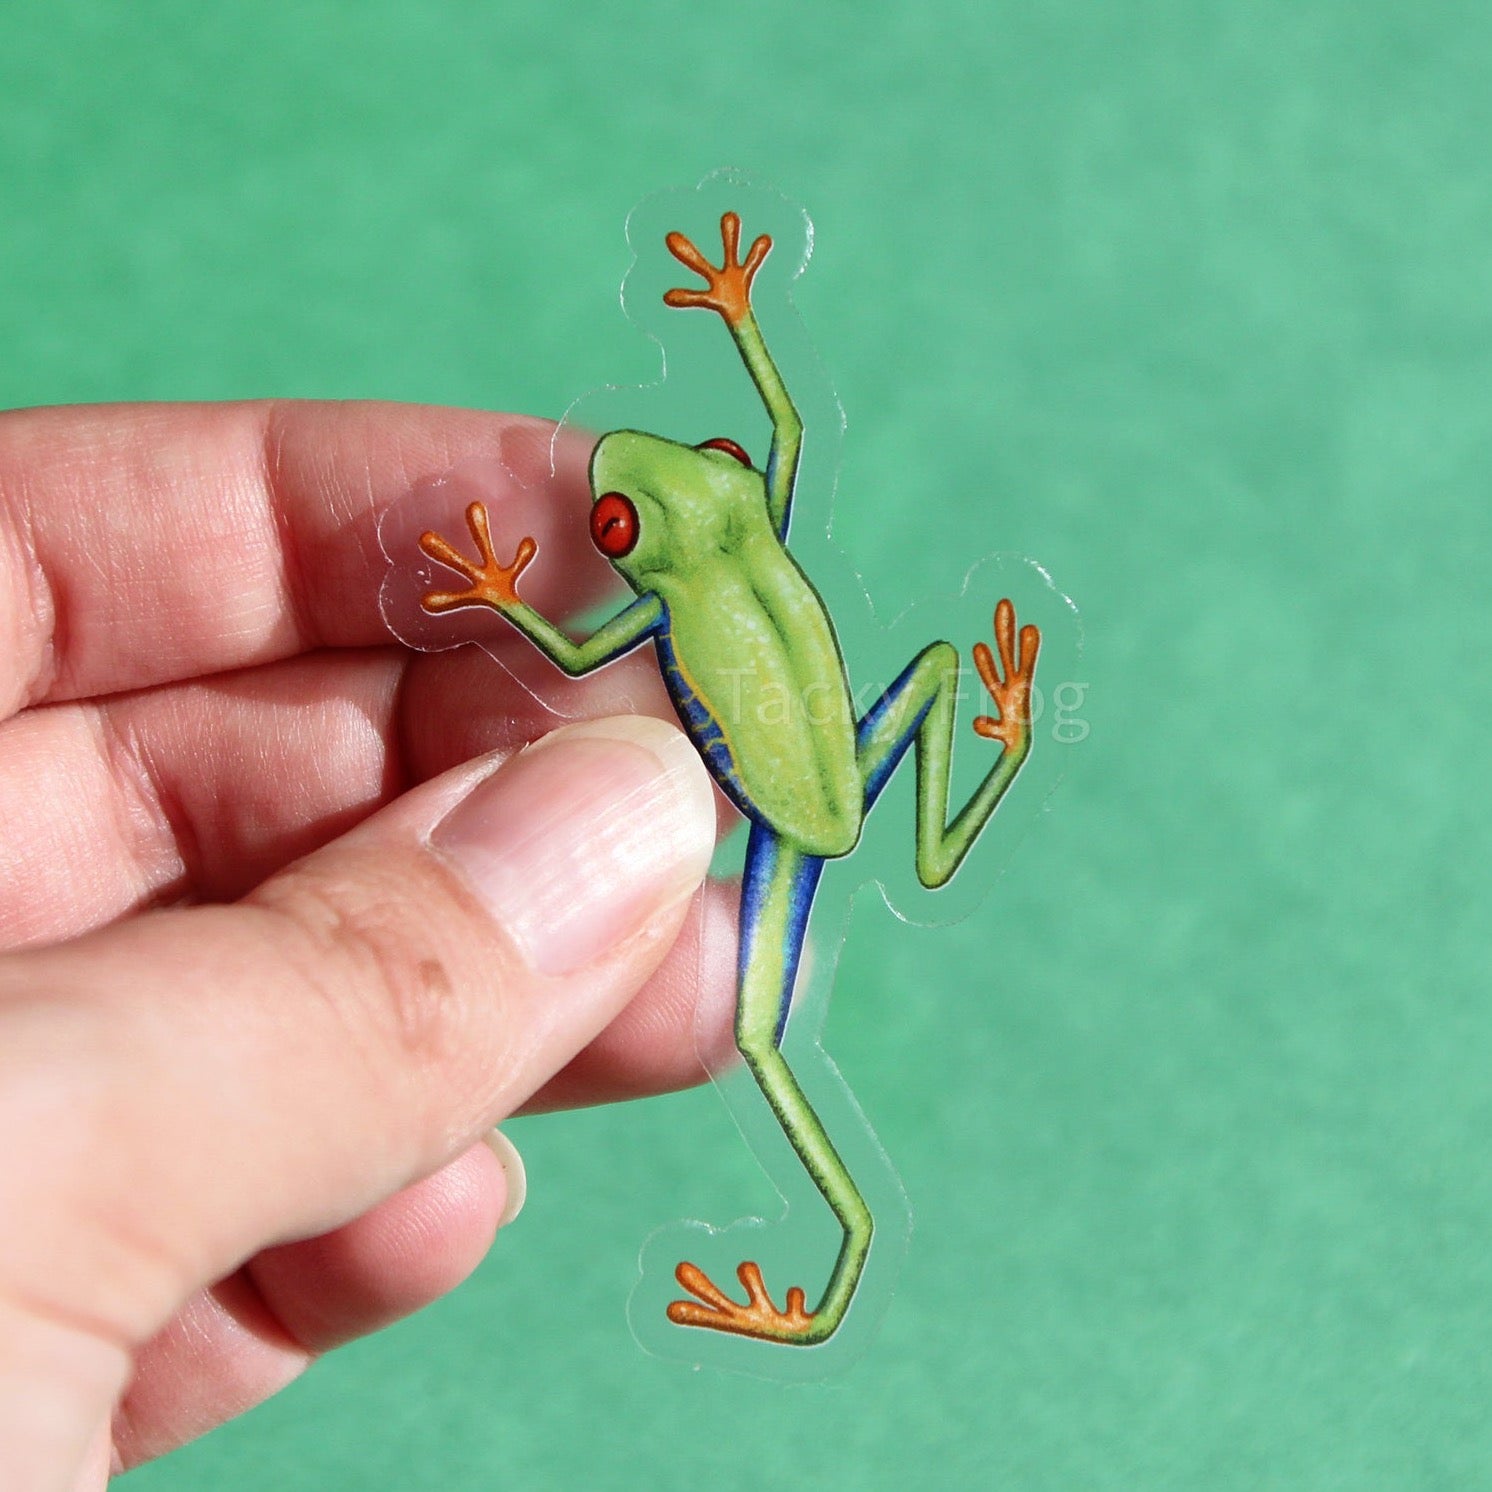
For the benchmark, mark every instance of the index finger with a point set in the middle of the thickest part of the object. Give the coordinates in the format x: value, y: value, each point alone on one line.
x: 145, y: 544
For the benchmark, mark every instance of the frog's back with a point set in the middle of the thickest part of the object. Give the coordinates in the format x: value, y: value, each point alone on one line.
x: 753, y: 666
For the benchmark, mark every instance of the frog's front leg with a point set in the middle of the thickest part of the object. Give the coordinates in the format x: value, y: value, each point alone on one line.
x: 776, y: 895
x: 729, y: 294
x: 494, y: 584
x: 922, y: 706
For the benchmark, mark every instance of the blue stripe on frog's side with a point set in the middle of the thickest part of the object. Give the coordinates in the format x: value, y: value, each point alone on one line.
x: 704, y: 730
x: 865, y: 731
x: 776, y: 869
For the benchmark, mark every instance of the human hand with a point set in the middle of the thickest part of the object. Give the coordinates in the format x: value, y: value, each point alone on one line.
x: 272, y: 959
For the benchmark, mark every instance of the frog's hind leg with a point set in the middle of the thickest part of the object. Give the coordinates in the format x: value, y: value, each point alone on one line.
x: 776, y: 896
x: 922, y: 707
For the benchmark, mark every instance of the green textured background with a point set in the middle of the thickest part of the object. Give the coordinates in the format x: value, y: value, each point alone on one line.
x: 1194, y: 302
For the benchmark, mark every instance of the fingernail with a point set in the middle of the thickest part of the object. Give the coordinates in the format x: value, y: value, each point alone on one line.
x: 513, y: 1170
x: 578, y: 842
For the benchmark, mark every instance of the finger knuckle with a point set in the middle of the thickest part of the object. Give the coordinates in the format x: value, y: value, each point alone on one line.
x: 92, y: 1237
x: 373, y: 959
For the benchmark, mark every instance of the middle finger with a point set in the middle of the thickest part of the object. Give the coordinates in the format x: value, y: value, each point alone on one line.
x: 198, y: 791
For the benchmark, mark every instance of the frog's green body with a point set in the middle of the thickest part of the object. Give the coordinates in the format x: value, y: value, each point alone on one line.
x: 748, y: 651
x: 753, y: 666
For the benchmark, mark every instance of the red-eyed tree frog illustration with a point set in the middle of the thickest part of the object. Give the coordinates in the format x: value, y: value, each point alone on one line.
x: 754, y: 669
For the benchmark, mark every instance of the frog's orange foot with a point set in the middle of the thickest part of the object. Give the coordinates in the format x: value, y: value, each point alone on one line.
x: 714, y: 1309
x: 729, y: 286
x: 1012, y: 691
x: 492, y: 584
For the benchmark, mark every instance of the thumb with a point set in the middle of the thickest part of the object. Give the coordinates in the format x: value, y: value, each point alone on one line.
x: 184, y: 1089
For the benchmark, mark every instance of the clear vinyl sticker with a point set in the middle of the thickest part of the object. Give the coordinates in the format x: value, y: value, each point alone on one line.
x: 896, y: 757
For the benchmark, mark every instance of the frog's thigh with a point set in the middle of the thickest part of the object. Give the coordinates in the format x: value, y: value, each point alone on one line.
x: 890, y: 726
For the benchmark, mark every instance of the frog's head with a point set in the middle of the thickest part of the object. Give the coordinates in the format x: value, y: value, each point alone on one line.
x: 658, y: 506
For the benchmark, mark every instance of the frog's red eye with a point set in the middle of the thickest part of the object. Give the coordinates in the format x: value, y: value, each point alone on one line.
x: 721, y: 443
x: 614, y: 525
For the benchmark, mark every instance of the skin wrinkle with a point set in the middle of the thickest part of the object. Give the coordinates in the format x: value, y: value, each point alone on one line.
x: 106, y: 1243
x: 159, y: 845
x: 70, y: 500
x: 416, y: 998
x: 379, y: 722
x: 300, y: 951
x: 48, y: 605
x: 335, y: 948
x: 67, y: 1318
x: 292, y: 571
x: 338, y: 739
x: 235, y: 525
x: 94, y: 1367
x: 40, y: 604
x: 135, y: 1266
x: 334, y: 737
x: 54, y: 859
x: 27, y: 593
x: 397, y: 743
